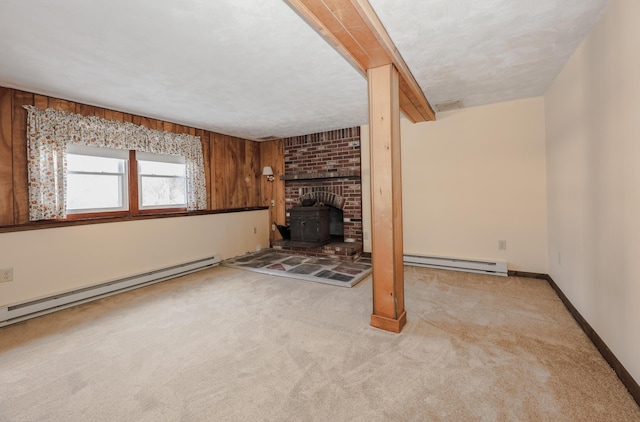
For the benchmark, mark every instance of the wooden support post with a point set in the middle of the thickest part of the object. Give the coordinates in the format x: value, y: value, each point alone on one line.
x: 386, y: 199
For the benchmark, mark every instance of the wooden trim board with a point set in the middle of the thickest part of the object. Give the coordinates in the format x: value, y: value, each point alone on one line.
x: 389, y: 324
x: 355, y: 31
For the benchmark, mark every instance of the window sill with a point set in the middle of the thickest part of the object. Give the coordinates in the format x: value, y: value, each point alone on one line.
x: 49, y: 224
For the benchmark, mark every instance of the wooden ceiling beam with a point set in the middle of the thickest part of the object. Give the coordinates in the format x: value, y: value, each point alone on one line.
x: 353, y: 28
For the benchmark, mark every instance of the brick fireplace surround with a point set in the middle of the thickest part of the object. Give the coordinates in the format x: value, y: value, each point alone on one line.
x: 326, y: 166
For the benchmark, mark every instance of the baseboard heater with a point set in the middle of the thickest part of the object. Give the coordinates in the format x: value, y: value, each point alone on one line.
x: 457, y: 264
x: 23, y: 311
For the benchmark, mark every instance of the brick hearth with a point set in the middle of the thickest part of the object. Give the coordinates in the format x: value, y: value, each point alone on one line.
x: 342, y: 251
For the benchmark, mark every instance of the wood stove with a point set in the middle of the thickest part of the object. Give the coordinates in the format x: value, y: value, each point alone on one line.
x: 310, y: 225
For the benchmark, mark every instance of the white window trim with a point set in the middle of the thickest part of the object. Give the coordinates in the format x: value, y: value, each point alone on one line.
x: 98, y: 152
x: 160, y: 158
x: 76, y: 149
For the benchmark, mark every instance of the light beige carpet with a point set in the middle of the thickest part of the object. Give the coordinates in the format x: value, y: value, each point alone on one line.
x: 230, y: 345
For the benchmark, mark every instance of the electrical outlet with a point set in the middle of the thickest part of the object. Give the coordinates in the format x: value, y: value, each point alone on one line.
x: 6, y: 274
x: 502, y: 245
x: 273, y: 202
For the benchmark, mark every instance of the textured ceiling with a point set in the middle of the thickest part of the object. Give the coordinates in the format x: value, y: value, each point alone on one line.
x: 253, y: 68
x: 488, y: 51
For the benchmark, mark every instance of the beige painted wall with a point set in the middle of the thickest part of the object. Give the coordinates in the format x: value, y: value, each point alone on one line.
x: 593, y: 159
x: 61, y: 259
x: 471, y: 178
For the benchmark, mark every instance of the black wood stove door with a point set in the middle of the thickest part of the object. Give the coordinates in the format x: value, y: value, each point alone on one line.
x: 310, y: 224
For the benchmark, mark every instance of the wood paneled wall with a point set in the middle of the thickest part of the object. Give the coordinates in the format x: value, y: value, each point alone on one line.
x: 233, y: 166
x: 14, y: 194
x: 236, y: 171
x: 272, y: 154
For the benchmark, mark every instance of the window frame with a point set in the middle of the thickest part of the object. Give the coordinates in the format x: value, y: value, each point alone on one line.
x: 161, y: 158
x: 76, y: 149
x: 132, y: 185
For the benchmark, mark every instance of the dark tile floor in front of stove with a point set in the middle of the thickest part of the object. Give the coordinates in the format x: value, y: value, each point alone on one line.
x: 325, y: 270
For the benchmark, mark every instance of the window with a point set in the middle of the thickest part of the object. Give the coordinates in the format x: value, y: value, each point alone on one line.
x: 162, y: 181
x: 99, y: 181
x: 106, y: 181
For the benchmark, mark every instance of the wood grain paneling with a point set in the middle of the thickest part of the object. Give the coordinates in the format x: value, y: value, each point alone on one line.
x: 219, y: 145
x: 180, y: 129
x: 63, y: 105
x: 167, y: 127
x: 6, y: 158
x: 85, y: 110
x: 19, y: 147
x: 41, y: 101
x: 252, y: 171
x: 114, y: 115
x: 100, y: 112
x: 227, y: 153
x: 266, y: 151
x: 266, y: 190
x: 212, y: 171
x: 240, y: 195
x: 146, y: 122
x: 272, y: 154
x: 233, y: 166
x: 134, y: 198
x: 279, y: 196
x: 235, y: 172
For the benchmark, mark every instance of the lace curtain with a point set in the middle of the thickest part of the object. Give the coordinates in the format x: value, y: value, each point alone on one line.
x: 49, y: 131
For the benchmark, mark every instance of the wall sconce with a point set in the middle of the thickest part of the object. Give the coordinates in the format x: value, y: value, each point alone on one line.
x: 268, y: 171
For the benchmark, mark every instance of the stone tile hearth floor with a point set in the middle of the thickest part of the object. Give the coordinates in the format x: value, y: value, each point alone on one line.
x: 319, y: 270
